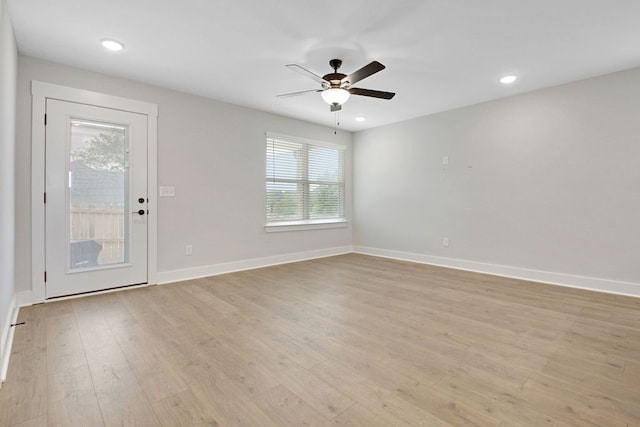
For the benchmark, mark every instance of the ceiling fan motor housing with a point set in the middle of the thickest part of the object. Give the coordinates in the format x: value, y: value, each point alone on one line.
x: 335, y: 78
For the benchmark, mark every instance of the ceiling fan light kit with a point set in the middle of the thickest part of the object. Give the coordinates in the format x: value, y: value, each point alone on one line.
x: 335, y: 96
x: 336, y: 87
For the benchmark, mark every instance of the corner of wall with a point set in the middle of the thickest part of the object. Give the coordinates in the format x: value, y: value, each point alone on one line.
x: 8, y: 90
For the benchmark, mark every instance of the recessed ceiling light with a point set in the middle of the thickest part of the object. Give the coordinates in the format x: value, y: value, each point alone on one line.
x: 360, y: 118
x: 506, y: 80
x: 112, y: 45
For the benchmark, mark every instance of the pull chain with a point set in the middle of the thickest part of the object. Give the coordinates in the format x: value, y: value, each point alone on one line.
x: 336, y: 122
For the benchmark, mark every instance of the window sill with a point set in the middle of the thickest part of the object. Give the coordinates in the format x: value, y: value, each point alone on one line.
x: 312, y: 224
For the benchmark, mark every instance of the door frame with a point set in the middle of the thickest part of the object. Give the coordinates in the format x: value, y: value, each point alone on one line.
x: 40, y: 92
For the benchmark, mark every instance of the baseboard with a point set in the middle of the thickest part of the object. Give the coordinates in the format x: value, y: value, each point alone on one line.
x: 250, y: 264
x: 7, y: 337
x: 21, y: 299
x: 572, y: 281
x: 6, y: 340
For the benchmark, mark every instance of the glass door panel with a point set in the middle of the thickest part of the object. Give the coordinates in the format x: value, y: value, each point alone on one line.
x: 98, y: 199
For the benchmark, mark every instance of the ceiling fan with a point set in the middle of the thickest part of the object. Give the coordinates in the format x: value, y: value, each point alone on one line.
x: 336, y: 87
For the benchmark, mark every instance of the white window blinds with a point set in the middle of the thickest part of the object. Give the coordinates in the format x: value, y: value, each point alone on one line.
x: 305, y: 180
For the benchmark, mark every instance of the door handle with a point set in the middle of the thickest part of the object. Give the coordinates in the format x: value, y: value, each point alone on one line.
x: 139, y: 212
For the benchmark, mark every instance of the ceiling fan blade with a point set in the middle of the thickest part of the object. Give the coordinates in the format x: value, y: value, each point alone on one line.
x: 305, y: 72
x: 364, y: 72
x: 336, y: 107
x: 371, y: 93
x: 302, y: 92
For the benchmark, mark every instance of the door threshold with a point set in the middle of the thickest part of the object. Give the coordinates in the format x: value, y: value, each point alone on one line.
x: 90, y: 293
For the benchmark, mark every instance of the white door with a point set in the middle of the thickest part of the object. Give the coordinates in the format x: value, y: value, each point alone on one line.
x: 96, y: 198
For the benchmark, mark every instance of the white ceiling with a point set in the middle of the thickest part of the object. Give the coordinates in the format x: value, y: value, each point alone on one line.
x: 439, y: 54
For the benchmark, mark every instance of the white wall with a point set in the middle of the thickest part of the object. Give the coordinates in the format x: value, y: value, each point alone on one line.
x: 544, y: 186
x: 8, y: 65
x: 212, y: 152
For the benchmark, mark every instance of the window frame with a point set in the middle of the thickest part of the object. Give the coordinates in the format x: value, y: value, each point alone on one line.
x: 306, y: 223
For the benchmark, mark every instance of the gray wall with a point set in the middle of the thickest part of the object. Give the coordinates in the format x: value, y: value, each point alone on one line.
x: 546, y: 181
x: 8, y: 64
x: 541, y: 182
x: 214, y: 155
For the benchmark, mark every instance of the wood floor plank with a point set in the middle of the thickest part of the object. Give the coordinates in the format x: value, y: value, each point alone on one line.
x: 72, y: 399
x: 122, y: 401
x: 156, y: 378
x: 64, y: 345
x: 92, y: 326
x: 350, y: 340
x: 361, y: 416
x: 632, y: 372
x: 287, y: 409
x: 35, y: 422
x: 499, y: 395
x: 567, y: 405
x: 321, y: 396
x: 374, y: 397
x: 213, y: 303
x: 408, y: 384
x: 184, y: 409
x: 228, y: 404
x: 318, y: 394
x: 154, y: 372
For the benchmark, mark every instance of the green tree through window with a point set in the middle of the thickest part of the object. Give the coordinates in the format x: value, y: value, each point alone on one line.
x: 104, y: 152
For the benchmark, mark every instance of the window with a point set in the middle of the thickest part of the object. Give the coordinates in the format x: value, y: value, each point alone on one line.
x: 304, y: 181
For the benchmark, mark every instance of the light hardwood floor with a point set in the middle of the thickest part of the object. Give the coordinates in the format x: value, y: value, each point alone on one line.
x: 349, y: 341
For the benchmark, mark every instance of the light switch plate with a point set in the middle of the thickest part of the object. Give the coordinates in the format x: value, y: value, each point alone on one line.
x: 167, y: 191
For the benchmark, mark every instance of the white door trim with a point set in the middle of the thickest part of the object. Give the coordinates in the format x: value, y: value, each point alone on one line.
x: 40, y: 91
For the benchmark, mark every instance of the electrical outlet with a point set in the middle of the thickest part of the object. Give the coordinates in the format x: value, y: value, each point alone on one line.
x: 445, y: 241
x: 188, y: 250
x: 445, y: 160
